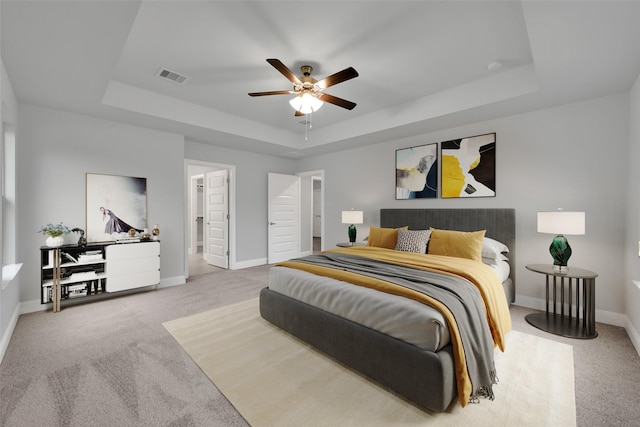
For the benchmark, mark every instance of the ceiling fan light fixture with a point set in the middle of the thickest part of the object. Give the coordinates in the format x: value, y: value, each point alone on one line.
x: 306, y: 103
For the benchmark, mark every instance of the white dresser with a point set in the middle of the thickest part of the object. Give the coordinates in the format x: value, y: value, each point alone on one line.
x: 132, y: 265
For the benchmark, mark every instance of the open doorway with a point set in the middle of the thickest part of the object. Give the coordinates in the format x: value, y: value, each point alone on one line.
x: 311, y: 212
x: 316, y: 207
x: 210, y: 217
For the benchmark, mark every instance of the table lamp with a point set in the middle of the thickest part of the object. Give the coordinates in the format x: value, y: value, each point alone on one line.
x: 560, y: 223
x: 352, y: 217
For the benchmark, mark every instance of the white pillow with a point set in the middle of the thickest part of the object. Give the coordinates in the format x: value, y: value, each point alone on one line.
x: 413, y: 241
x: 502, y: 268
x: 493, y: 249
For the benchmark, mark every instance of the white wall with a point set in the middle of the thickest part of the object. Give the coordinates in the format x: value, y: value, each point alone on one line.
x: 10, y: 295
x: 572, y: 156
x: 632, y: 258
x: 54, y: 152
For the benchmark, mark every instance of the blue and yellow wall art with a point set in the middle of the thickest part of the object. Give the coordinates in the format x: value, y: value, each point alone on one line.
x: 417, y: 172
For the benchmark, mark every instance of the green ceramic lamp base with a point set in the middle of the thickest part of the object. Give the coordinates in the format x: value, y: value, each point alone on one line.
x: 352, y: 233
x: 560, y: 252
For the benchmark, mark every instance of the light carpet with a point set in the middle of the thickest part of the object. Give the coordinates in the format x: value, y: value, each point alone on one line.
x: 274, y: 379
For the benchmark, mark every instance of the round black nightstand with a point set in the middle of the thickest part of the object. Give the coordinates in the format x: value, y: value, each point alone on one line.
x: 555, y: 320
x: 349, y: 244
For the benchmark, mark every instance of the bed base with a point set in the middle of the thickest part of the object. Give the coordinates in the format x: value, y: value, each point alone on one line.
x: 424, y: 378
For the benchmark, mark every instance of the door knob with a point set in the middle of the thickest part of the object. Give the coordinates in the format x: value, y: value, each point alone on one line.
x: 272, y: 223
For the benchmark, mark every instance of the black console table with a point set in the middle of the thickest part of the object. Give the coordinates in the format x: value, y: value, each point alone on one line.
x: 560, y: 318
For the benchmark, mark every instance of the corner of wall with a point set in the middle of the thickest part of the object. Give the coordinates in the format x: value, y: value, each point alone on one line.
x: 8, y: 332
x: 633, y: 335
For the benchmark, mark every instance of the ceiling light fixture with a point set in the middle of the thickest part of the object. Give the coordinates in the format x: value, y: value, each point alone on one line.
x: 306, y: 102
x: 308, y: 93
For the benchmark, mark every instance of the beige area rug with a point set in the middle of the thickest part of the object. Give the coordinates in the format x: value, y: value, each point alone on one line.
x: 273, y: 379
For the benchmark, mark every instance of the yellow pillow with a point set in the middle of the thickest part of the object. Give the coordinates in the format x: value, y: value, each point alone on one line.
x: 461, y: 244
x: 384, y: 237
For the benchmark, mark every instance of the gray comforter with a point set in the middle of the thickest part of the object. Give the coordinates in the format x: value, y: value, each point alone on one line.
x: 459, y: 295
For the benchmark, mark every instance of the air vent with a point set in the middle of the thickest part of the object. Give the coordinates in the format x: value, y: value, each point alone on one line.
x: 172, y: 75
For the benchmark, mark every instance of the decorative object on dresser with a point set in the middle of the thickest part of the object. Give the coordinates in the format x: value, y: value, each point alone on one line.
x: 82, y: 241
x: 560, y: 223
x: 469, y: 167
x: 94, y: 271
x: 352, y: 217
x: 417, y: 172
x: 155, y: 231
x: 54, y: 233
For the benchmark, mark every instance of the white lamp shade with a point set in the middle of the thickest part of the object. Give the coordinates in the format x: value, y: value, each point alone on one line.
x: 352, y: 217
x: 306, y: 103
x: 561, y: 222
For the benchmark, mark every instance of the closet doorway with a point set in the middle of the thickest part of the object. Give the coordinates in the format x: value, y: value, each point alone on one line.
x: 316, y: 232
x: 311, y: 212
x: 210, y: 217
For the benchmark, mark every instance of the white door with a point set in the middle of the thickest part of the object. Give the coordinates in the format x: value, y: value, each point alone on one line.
x: 216, y: 233
x: 283, y: 217
x: 317, y: 213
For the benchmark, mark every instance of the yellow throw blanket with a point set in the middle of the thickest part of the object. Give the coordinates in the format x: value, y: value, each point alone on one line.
x: 482, y: 276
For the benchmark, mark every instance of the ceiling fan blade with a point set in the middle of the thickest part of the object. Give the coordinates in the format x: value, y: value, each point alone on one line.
x: 278, y: 65
x: 298, y: 113
x: 325, y: 97
x: 339, y: 77
x: 273, y: 92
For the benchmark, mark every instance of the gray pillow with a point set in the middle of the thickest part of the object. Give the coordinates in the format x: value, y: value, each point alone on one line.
x: 413, y: 241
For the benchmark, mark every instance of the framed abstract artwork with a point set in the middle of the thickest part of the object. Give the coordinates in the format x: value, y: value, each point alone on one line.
x: 469, y: 167
x: 114, y: 205
x: 417, y: 172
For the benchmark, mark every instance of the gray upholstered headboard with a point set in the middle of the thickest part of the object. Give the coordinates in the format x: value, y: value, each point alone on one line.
x: 499, y: 223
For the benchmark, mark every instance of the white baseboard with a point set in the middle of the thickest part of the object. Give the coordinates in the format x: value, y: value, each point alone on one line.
x: 172, y: 281
x: 633, y: 335
x: 602, y: 316
x: 6, y: 337
x: 246, y: 264
x: 32, y: 306
x: 529, y: 302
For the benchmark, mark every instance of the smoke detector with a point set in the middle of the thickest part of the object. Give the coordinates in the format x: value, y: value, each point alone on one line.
x: 495, y: 66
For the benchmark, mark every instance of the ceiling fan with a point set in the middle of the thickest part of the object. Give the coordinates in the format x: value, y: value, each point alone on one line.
x: 309, y: 91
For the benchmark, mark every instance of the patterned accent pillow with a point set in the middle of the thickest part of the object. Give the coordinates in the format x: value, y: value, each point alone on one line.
x: 413, y: 241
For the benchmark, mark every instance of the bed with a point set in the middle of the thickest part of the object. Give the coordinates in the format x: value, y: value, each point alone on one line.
x: 424, y: 373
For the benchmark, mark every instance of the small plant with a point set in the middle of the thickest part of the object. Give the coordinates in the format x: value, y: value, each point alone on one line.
x: 54, y: 230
